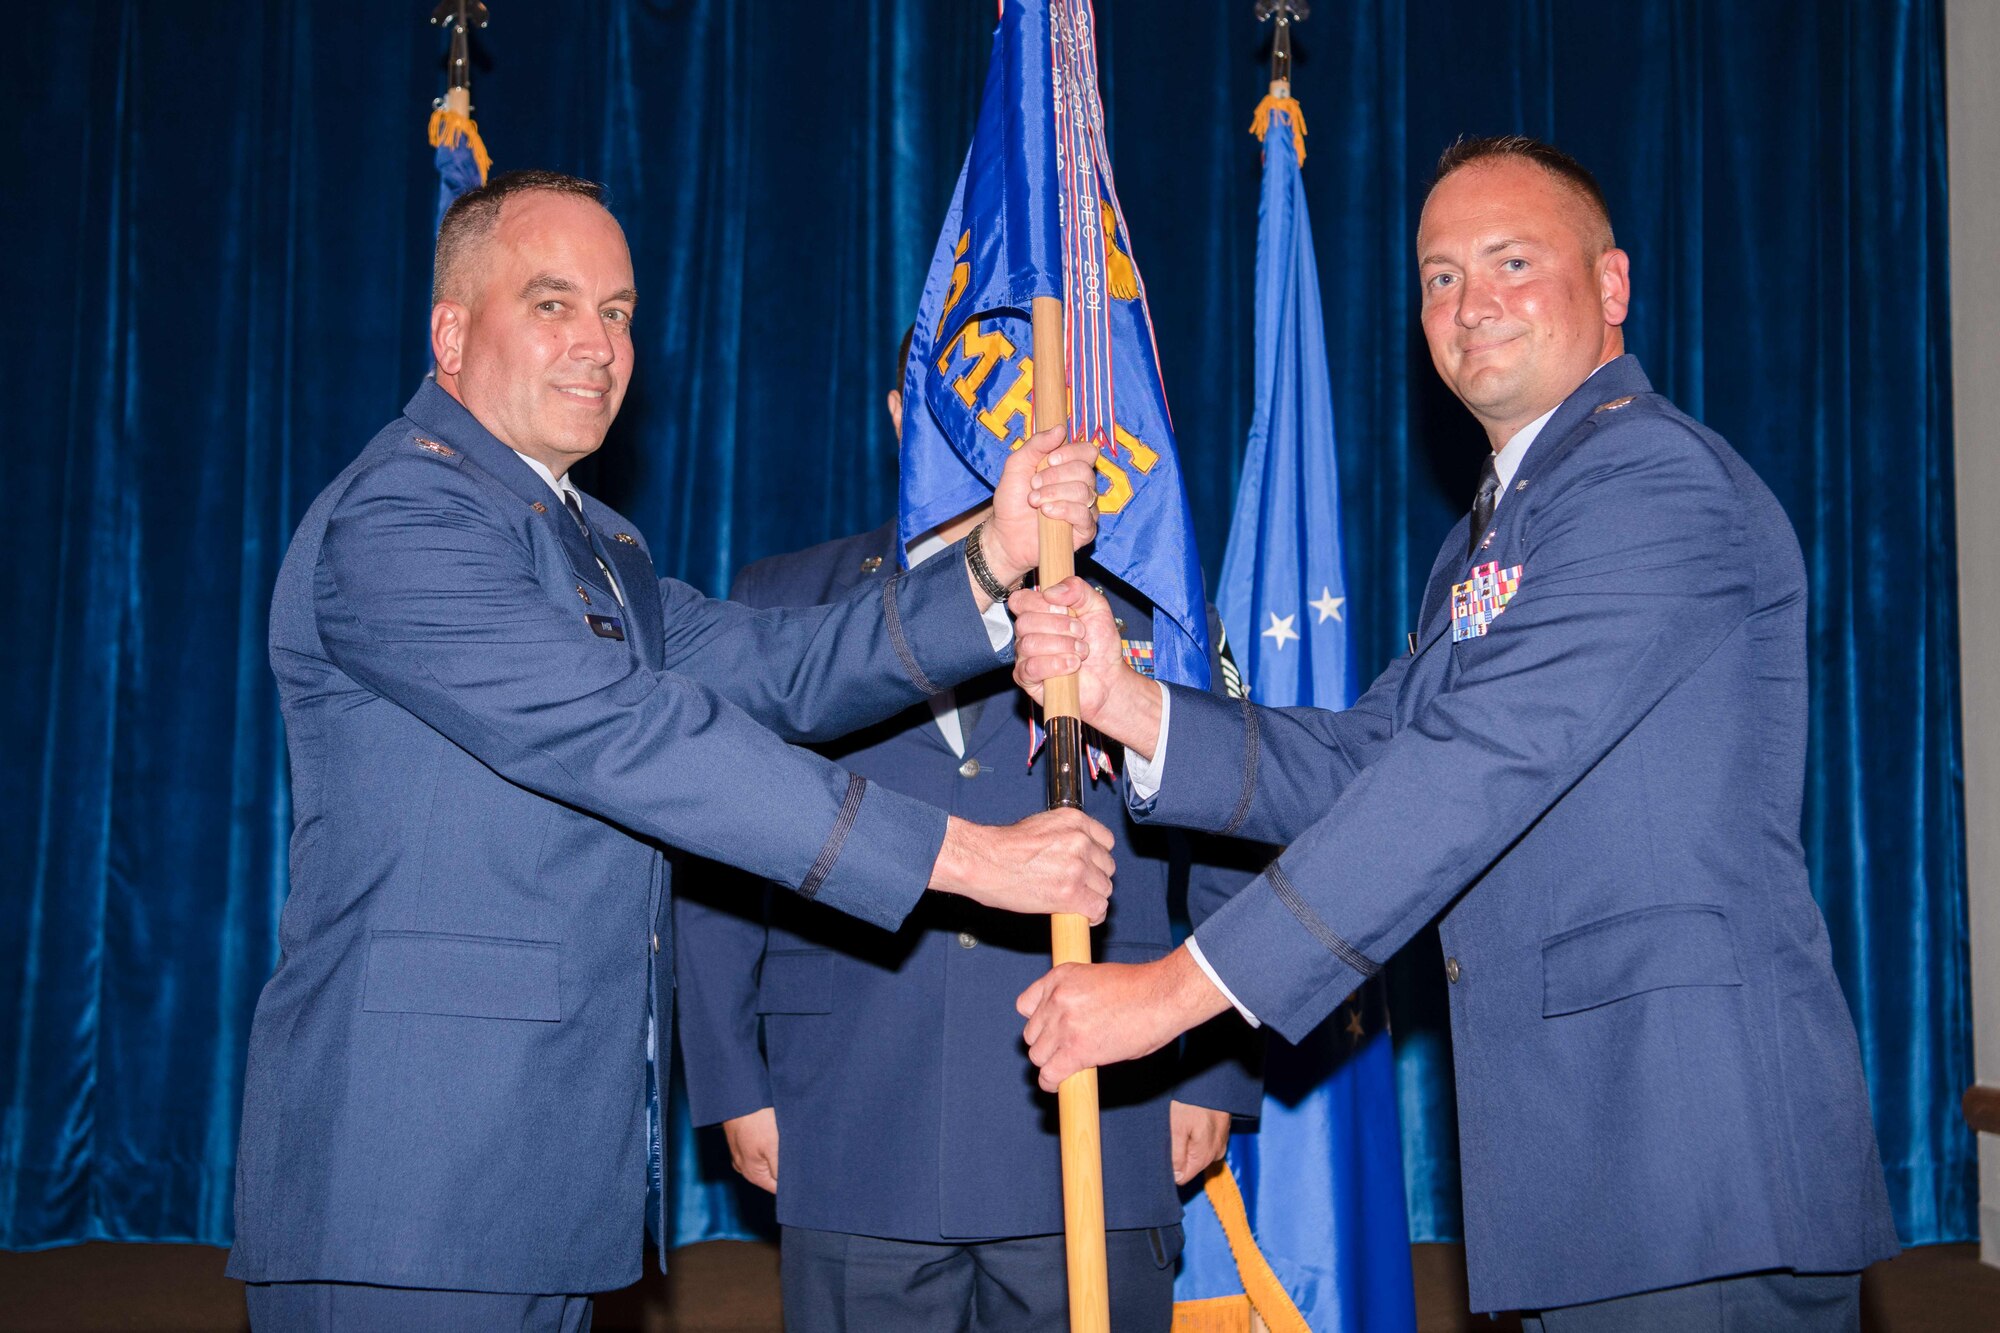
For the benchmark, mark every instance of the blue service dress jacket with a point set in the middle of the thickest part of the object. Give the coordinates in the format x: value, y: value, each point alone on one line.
x: 446, y: 1077
x: 907, y: 1107
x: 1658, y: 1077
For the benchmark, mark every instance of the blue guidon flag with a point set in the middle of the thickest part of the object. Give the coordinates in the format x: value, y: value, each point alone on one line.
x: 1035, y: 214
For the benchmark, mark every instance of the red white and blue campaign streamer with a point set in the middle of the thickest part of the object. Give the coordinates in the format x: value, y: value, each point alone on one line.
x: 1083, y: 180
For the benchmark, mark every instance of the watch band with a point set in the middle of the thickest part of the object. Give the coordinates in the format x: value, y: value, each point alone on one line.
x: 975, y: 560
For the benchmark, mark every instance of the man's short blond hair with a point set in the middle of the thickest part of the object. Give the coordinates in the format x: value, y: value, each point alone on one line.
x: 1569, y: 173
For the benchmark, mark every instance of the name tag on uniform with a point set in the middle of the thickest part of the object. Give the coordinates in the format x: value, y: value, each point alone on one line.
x: 1478, y: 601
x: 605, y: 627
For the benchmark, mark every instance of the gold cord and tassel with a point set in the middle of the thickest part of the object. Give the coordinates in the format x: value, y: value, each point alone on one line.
x: 451, y: 128
x: 1280, y: 99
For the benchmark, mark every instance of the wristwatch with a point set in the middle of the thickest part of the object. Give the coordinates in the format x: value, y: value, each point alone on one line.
x: 975, y: 560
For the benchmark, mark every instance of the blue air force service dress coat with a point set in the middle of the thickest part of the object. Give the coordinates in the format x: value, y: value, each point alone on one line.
x: 446, y: 1079
x: 907, y: 1107
x: 1591, y: 765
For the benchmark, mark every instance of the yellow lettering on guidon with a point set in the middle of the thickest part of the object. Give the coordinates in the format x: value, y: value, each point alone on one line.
x: 1119, y: 493
x: 961, y: 273
x: 990, y: 346
x: 1018, y: 401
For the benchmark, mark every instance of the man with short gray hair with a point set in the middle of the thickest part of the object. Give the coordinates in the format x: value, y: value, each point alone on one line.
x: 497, y: 713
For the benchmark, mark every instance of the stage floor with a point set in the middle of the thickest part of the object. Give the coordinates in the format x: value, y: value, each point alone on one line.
x: 728, y: 1287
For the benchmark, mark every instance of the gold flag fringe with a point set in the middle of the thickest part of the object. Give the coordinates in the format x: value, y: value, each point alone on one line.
x: 454, y: 129
x: 1260, y: 123
x: 1260, y: 1283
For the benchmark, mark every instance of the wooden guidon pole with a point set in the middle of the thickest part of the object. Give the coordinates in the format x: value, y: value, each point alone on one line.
x: 1082, y: 1149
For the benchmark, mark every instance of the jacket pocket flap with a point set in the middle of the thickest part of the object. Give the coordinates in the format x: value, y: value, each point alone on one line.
x: 1649, y: 949
x: 468, y: 976
x: 796, y: 983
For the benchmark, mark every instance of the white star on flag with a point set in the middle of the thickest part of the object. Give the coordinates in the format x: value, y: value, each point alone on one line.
x: 1280, y: 630
x: 1328, y: 606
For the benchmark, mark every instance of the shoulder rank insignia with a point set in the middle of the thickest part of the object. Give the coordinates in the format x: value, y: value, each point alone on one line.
x: 441, y: 450
x: 627, y: 538
x: 539, y: 507
x: 1616, y: 403
x: 870, y: 564
x: 1478, y: 601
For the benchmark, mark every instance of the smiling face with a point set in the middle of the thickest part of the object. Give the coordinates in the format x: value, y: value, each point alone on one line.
x: 1522, y: 292
x: 539, y: 344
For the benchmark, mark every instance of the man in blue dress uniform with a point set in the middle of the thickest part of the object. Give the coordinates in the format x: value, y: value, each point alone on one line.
x: 921, y: 1186
x: 1590, y: 764
x: 497, y: 713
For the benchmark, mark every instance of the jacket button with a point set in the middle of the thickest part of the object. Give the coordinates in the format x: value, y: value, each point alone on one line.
x: 1451, y: 970
x: 969, y: 769
x: 656, y: 943
x: 966, y: 939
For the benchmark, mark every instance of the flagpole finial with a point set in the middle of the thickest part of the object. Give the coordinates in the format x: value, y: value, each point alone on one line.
x: 1286, y: 12
x: 1279, y: 98
x: 459, y: 16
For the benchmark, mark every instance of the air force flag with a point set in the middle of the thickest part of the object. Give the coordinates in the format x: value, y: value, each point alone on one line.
x: 1321, y: 1181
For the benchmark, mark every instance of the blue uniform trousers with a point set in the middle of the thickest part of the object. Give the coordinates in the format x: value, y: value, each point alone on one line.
x: 351, y: 1307
x: 837, y: 1283
x: 1783, y: 1302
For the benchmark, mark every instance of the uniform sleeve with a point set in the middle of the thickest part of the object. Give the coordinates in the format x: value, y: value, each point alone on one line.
x: 428, y: 600
x: 720, y: 934
x: 1265, y: 774
x: 721, y: 931
x: 1222, y: 1061
x: 1634, y: 574
x: 817, y: 673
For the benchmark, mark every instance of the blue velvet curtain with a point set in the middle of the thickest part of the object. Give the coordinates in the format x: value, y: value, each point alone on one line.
x: 218, y: 239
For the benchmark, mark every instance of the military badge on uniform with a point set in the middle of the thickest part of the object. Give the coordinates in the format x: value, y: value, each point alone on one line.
x: 1476, y: 602
x: 1232, y: 676
x: 1138, y: 655
x: 605, y: 627
x: 441, y: 450
x: 626, y: 538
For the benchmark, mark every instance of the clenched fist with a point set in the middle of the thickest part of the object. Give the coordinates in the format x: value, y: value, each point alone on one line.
x: 1057, y: 861
x: 753, y: 1147
x: 1067, y: 628
x: 1047, y: 477
x: 1083, y: 1015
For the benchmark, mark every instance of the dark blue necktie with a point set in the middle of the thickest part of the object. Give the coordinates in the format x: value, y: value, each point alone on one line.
x: 576, y: 512
x: 1482, y: 505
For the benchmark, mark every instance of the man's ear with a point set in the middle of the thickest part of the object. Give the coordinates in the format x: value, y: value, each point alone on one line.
x: 1614, y: 285
x: 894, y: 402
x: 448, y: 336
